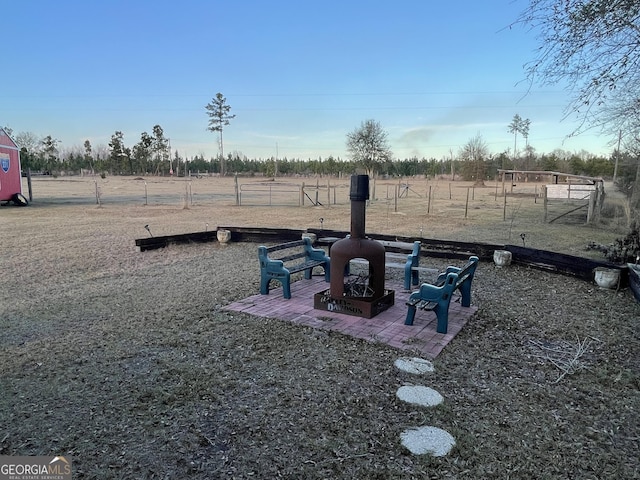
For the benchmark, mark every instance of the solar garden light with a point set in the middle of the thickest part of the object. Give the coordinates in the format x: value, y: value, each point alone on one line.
x: 146, y: 227
x: 523, y: 236
x: 321, y: 222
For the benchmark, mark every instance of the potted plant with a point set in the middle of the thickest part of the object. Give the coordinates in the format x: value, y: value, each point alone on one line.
x: 626, y: 250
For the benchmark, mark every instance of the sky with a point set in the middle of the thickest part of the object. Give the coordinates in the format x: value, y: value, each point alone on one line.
x: 299, y: 76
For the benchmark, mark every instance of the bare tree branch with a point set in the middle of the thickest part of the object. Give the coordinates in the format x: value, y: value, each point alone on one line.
x: 593, y: 46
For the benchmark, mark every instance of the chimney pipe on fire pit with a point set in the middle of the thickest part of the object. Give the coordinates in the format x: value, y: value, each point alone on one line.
x: 358, y: 194
x: 357, y: 246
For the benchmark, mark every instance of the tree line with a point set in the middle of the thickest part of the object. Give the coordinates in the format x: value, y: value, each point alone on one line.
x: 151, y: 155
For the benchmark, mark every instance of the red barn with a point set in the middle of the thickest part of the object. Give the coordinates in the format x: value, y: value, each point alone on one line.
x: 10, y: 177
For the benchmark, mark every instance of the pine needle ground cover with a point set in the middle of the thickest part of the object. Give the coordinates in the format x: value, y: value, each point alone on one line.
x: 126, y: 362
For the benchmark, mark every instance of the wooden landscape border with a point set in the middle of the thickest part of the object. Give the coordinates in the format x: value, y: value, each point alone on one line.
x: 430, y: 247
x: 541, y: 259
x: 562, y: 263
x: 152, y: 243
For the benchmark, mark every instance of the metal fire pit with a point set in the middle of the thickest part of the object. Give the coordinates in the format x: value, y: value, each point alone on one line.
x: 339, y: 297
x: 365, y: 307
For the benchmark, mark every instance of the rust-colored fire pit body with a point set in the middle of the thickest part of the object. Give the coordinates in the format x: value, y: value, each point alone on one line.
x: 368, y: 297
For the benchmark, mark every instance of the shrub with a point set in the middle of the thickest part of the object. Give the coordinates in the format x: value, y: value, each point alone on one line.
x: 622, y: 250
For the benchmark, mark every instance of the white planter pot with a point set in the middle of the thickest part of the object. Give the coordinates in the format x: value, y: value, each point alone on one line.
x: 606, y: 277
x: 223, y: 236
x: 502, y: 258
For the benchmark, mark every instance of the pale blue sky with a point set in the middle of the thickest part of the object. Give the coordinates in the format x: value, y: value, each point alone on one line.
x: 298, y: 75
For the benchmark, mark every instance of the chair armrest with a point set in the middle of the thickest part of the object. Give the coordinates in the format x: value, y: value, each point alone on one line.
x: 275, y: 266
x: 443, y: 276
x: 428, y: 292
x: 413, y: 259
x: 317, y: 254
x: 314, y: 253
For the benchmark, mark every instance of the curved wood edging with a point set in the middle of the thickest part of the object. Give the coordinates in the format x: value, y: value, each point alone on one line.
x: 579, y: 267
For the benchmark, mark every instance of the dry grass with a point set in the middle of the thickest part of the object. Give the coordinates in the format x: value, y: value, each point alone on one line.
x: 125, y: 361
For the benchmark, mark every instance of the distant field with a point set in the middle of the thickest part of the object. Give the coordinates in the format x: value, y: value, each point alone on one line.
x: 432, y: 209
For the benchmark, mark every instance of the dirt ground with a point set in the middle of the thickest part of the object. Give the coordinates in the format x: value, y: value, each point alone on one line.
x: 125, y: 361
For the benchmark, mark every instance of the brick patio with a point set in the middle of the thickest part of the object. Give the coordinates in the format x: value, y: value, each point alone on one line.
x: 387, y: 327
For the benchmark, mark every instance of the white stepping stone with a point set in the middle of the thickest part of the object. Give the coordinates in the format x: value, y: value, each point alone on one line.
x: 414, y: 365
x: 419, y: 395
x: 427, y: 440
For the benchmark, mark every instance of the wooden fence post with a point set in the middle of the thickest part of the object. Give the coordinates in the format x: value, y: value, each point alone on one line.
x: 235, y: 180
x: 395, y: 200
x: 504, y: 207
x: 466, y: 205
x: 545, y: 201
x: 328, y: 191
x: 97, y: 194
x: 592, y: 205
